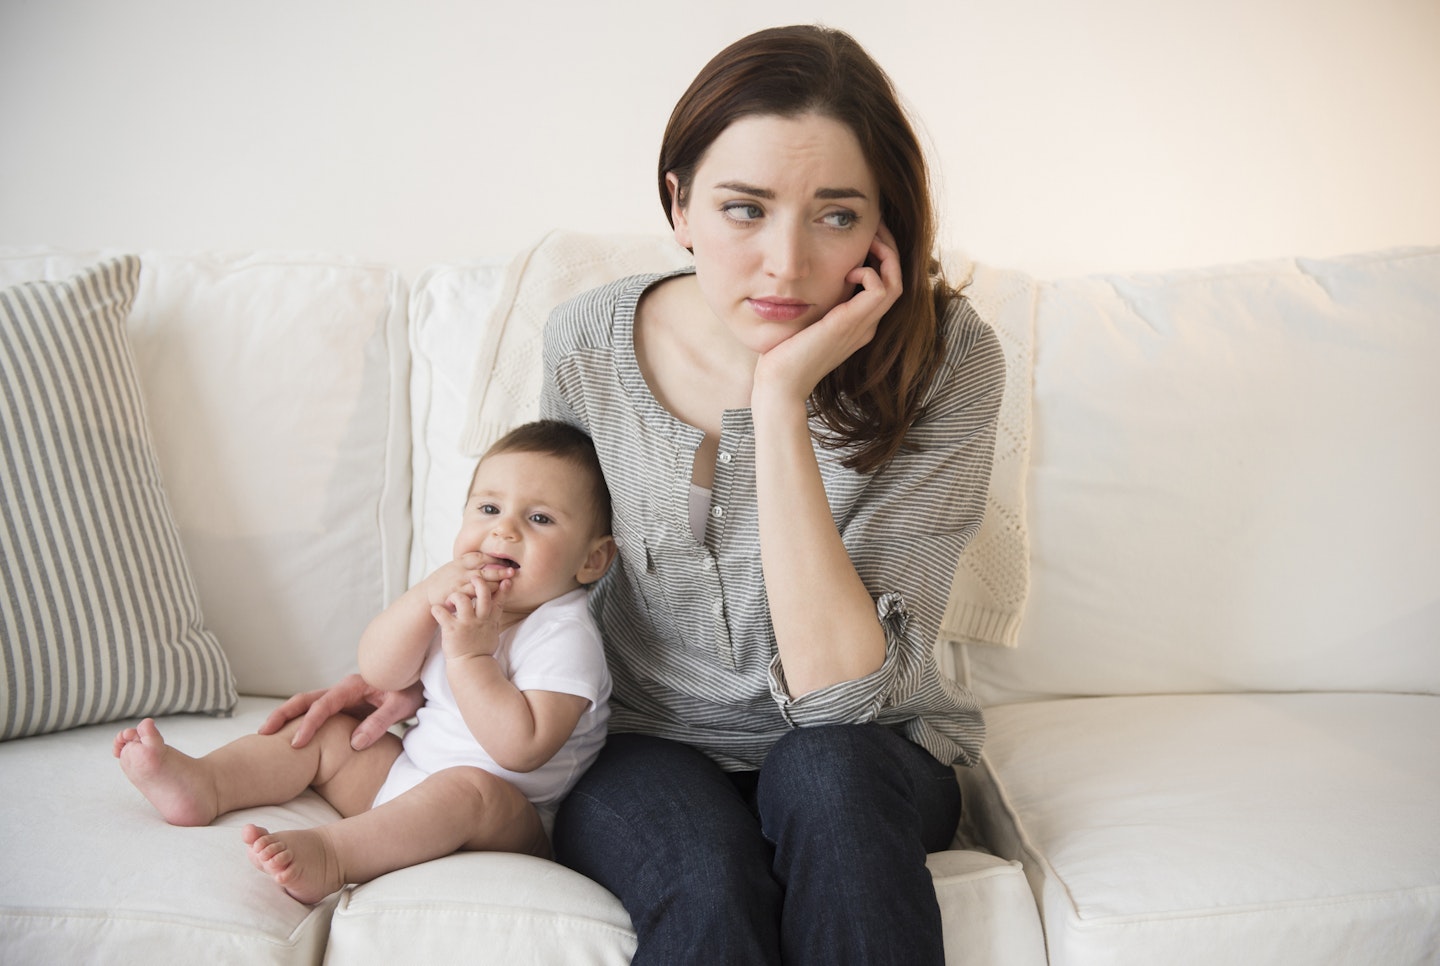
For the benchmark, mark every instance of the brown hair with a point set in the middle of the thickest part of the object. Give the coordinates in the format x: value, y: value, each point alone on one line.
x: 874, y: 397
x: 551, y: 437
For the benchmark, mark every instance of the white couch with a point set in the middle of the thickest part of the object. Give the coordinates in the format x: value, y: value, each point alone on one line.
x: 1212, y: 545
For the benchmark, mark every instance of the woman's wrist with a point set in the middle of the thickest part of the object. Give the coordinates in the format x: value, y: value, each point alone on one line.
x: 775, y: 406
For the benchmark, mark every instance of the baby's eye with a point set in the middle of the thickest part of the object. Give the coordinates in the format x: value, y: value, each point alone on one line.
x: 541, y: 519
x: 742, y: 211
x: 489, y: 509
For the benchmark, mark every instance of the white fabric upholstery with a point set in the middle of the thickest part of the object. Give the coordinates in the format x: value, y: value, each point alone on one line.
x: 276, y: 391
x: 450, y: 306
x: 1233, y: 479
x: 94, y: 874
x: 525, y: 911
x: 1228, y: 828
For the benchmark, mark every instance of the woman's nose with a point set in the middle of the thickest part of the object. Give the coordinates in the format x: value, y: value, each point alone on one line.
x: 786, y: 254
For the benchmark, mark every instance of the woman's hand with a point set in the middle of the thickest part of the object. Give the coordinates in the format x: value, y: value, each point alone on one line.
x: 376, y: 709
x: 796, y: 366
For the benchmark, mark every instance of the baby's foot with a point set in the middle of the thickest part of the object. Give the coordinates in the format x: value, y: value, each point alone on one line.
x: 174, y: 782
x: 302, y: 862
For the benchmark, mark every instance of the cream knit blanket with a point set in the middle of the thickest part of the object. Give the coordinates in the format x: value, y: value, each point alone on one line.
x: 987, y: 597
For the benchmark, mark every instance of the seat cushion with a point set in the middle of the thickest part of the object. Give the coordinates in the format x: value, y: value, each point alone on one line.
x: 96, y: 875
x: 525, y: 911
x: 1254, y: 828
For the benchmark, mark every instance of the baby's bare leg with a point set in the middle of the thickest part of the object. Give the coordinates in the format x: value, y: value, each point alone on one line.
x: 452, y: 810
x: 253, y: 770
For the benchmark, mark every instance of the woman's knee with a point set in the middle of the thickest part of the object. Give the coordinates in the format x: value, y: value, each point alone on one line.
x: 844, y: 780
x: 827, y: 757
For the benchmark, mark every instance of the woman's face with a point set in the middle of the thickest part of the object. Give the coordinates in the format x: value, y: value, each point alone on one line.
x: 780, y: 210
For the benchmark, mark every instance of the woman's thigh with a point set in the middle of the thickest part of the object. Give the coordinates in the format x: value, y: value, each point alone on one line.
x: 664, y: 828
x: 853, y: 810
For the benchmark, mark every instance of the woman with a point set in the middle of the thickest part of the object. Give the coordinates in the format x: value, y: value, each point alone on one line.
x: 782, y: 740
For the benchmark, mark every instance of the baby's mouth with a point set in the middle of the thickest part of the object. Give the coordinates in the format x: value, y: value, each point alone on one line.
x: 498, y: 560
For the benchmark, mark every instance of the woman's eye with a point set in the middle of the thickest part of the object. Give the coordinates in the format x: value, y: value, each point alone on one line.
x: 841, y: 219
x: 742, y: 211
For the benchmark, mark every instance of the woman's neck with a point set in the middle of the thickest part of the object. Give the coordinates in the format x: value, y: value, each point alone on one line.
x: 692, y: 365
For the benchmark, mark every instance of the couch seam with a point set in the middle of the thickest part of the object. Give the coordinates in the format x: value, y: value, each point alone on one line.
x: 61, y: 913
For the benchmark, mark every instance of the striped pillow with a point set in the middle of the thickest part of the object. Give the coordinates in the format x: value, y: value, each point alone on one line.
x: 101, y: 619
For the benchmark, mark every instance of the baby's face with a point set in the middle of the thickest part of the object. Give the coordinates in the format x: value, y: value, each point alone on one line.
x: 531, y: 512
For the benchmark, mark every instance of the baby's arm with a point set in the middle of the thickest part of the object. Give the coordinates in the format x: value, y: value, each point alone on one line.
x: 520, y: 730
x: 393, y: 647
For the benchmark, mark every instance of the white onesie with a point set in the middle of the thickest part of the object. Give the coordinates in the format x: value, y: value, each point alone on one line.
x: 556, y: 648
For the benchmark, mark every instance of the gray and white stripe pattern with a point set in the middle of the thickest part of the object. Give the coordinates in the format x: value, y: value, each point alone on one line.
x: 101, y: 617
x: 686, y: 624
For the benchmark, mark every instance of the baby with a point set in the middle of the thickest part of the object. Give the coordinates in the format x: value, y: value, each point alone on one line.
x: 515, y: 686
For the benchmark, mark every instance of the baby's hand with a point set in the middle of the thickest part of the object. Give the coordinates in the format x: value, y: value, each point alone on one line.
x: 451, y: 578
x: 470, y: 619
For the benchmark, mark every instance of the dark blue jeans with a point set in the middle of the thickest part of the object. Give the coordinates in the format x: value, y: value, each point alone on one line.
x: 819, y: 857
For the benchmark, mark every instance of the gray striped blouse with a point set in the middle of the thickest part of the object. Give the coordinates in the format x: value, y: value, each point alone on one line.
x: 686, y: 623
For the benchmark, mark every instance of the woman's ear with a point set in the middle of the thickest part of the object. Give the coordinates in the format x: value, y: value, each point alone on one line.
x: 677, y: 212
x: 598, y: 560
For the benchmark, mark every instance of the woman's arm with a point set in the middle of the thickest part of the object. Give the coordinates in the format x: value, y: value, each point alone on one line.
x: 826, y: 628
x: 906, y: 526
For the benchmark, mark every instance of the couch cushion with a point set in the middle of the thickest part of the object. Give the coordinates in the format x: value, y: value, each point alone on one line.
x: 95, y: 875
x: 1233, y: 481
x: 100, y: 619
x: 275, y: 386
x: 449, y: 306
x: 1254, y: 828
x: 522, y: 910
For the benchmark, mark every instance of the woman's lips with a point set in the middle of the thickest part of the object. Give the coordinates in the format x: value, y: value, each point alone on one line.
x: 778, y: 309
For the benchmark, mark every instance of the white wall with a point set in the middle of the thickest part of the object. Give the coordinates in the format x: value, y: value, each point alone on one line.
x: 1069, y: 136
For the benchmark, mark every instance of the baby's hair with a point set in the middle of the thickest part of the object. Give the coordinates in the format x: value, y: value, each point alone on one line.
x: 551, y: 437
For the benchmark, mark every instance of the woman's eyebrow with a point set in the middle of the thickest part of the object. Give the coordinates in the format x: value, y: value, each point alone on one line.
x: 824, y: 194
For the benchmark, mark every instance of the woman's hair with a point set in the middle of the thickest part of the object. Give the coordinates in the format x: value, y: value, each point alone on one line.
x: 551, y: 437
x: 872, y: 399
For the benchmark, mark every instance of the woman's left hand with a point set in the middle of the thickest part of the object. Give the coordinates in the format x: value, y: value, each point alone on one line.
x: 797, y: 365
